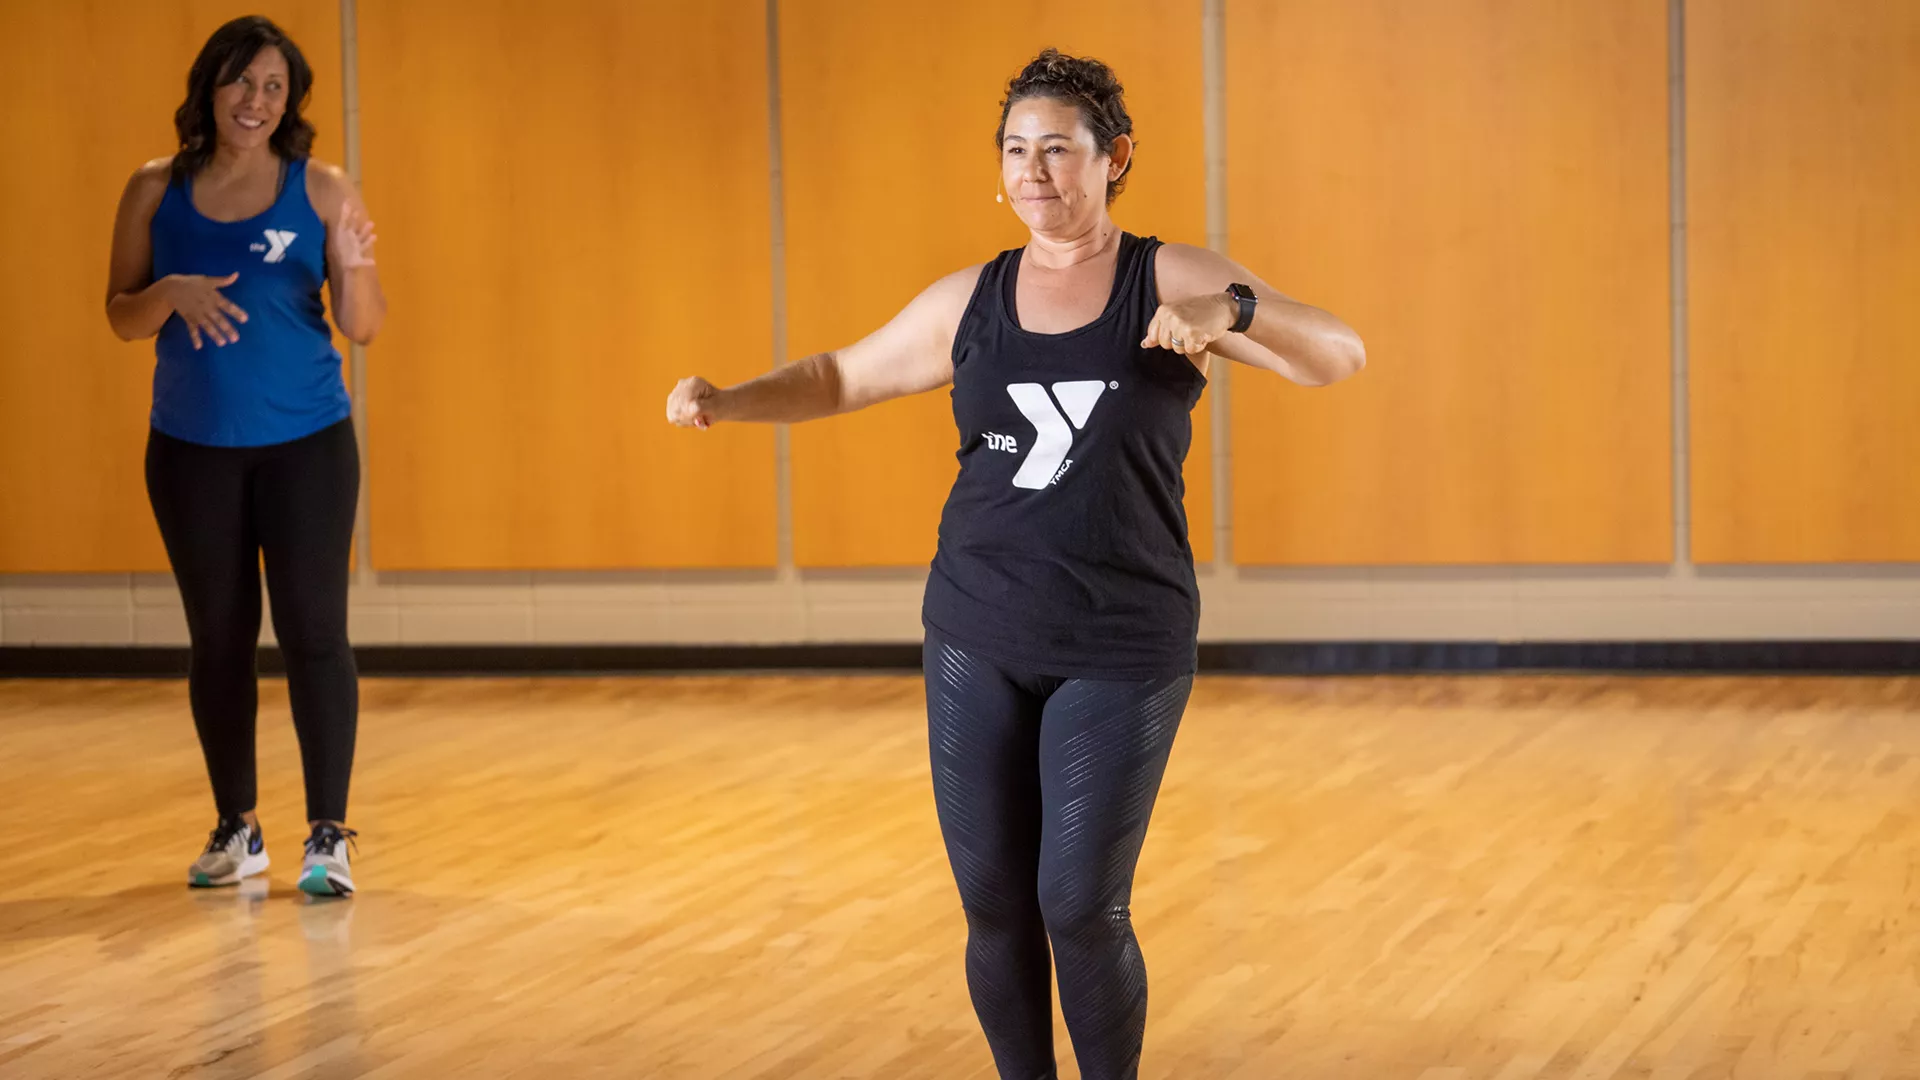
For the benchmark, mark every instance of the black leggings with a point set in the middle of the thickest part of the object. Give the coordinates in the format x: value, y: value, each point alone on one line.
x: 1044, y: 786
x: 219, y: 509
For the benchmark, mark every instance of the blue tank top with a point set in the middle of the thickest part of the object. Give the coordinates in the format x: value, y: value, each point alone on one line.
x: 281, y: 381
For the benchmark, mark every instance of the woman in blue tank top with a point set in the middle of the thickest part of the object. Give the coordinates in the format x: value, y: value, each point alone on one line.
x: 219, y: 252
x: 1061, y: 610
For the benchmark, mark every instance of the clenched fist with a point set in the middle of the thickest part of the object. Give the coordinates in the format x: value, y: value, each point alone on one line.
x: 691, y: 403
x: 1189, y: 326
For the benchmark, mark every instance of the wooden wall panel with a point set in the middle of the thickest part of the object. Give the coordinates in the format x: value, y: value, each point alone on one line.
x: 889, y: 168
x: 1803, y: 265
x: 574, y: 201
x: 89, y: 91
x: 1480, y: 187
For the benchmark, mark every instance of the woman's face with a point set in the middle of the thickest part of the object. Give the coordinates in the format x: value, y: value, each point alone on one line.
x: 247, y: 111
x: 1055, y: 174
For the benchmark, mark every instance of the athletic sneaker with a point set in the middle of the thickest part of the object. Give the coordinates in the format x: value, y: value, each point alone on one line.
x: 324, y: 871
x: 235, y: 850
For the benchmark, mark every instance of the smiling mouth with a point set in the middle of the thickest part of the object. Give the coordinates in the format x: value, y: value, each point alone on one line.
x: 249, y: 123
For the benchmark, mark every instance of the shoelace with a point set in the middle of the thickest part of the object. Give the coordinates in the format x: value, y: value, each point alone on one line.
x: 326, y: 839
x: 223, y: 833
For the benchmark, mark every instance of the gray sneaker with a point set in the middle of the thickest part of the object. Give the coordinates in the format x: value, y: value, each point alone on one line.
x: 235, y: 850
x: 324, y: 872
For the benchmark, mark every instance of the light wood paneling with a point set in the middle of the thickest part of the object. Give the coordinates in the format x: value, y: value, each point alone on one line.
x: 574, y: 207
x: 1803, y: 267
x: 89, y: 91
x: 888, y: 115
x: 1480, y: 188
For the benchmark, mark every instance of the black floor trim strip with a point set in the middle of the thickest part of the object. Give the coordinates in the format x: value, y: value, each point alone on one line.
x: 1243, y: 657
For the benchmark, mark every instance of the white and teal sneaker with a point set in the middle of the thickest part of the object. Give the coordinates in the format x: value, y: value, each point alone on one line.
x: 324, y: 872
x: 235, y: 850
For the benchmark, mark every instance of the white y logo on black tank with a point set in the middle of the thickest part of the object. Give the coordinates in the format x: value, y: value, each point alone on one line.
x: 1047, y: 461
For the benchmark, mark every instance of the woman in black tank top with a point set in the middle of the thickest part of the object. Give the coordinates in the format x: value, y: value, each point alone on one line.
x: 1061, y: 608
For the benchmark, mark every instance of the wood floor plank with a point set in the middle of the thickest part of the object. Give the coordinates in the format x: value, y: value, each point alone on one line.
x: 742, y: 878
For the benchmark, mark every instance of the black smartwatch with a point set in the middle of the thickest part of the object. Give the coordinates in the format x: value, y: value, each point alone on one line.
x: 1243, y: 296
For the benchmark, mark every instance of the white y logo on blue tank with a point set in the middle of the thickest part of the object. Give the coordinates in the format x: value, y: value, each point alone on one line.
x: 281, y: 240
x: 1047, y: 461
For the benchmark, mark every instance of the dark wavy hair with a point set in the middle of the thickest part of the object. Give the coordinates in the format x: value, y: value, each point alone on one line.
x: 222, y: 60
x: 1084, y: 83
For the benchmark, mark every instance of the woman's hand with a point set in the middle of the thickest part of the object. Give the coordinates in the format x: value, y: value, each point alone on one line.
x: 196, y: 299
x: 350, y: 243
x: 691, y: 403
x: 1189, y: 326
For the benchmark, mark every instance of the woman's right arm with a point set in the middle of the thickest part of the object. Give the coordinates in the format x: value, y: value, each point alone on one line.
x: 913, y: 353
x: 137, y: 305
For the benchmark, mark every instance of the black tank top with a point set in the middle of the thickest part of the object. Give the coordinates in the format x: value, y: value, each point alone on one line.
x: 1063, y: 546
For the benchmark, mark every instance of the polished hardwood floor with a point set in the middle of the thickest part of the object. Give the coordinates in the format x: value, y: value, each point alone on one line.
x: 1432, y: 879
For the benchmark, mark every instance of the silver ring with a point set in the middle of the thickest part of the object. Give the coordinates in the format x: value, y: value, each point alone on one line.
x: 1178, y: 344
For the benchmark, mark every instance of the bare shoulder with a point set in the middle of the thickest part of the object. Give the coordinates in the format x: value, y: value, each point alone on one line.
x: 940, y: 306
x: 328, y: 188
x: 327, y: 173
x: 955, y: 291
x: 149, y: 181
x: 142, y: 197
x: 924, y: 328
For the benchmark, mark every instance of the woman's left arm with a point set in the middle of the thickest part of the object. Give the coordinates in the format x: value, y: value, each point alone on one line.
x: 1301, y: 342
x: 359, y: 307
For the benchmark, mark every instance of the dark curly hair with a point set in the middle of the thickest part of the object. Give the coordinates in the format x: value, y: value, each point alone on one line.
x: 1083, y: 82
x: 222, y: 60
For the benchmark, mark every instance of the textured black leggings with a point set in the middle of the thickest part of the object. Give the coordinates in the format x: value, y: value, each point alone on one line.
x: 1044, y: 786
x: 219, y: 509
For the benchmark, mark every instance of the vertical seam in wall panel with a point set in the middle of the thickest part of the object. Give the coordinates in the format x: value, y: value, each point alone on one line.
x: 782, y: 433
x: 1213, y: 45
x: 356, y: 353
x: 1677, y: 261
x: 1682, y: 557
